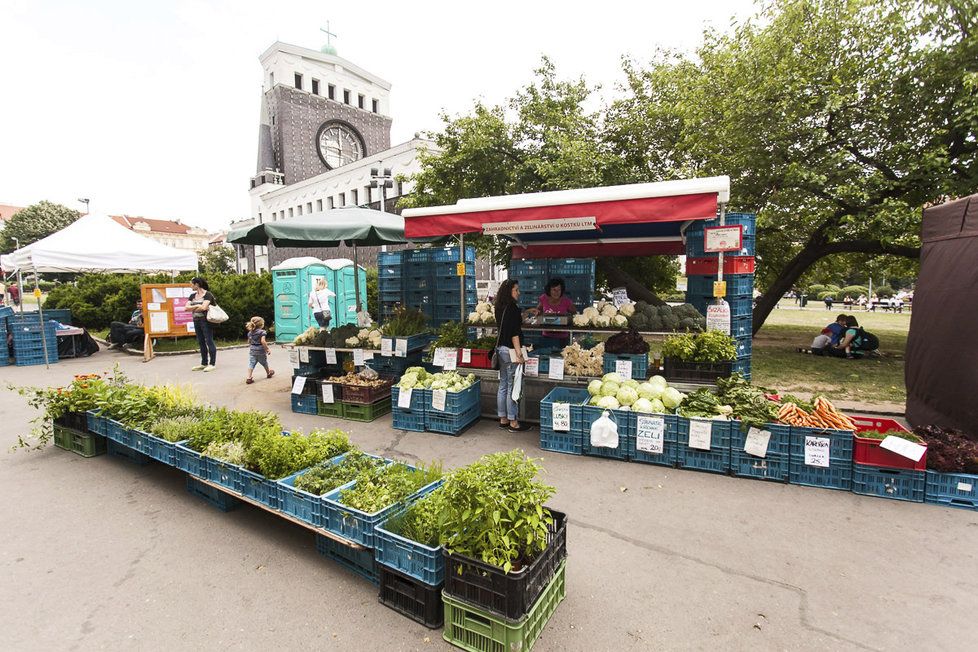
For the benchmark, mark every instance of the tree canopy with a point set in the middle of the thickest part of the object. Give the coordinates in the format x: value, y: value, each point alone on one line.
x: 35, y: 222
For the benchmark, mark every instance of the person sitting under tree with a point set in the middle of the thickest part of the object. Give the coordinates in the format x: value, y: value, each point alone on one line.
x: 122, y: 334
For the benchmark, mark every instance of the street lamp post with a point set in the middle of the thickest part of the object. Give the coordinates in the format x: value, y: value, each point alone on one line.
x: 86, y: 202
x: 20, y: 281
x: 381, y: 179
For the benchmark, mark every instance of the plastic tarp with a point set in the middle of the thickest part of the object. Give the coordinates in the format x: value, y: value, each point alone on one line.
x: 97, y: 243
x: 363, y: 226
x: 941, y: 368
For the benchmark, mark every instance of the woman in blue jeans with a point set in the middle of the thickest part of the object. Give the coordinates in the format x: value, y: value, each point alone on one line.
x: 199, y: 302
x: 509, y: 347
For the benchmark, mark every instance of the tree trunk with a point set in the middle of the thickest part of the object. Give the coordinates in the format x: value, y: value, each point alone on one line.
x: 808, y: 257
x: 620, y: 278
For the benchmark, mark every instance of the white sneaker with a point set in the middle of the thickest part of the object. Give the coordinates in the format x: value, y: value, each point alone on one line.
x: 209, y: 367
x: 199, y: 367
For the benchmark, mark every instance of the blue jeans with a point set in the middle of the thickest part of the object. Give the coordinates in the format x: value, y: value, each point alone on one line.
x: 506, y: 407
x: 256, y: 358
x: 205, y: 340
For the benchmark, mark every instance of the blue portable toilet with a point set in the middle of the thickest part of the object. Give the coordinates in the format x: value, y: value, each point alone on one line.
x: 290, y: 286
x: 344, y: 304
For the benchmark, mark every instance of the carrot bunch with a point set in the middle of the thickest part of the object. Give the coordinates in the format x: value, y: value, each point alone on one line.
x: 823, y: 415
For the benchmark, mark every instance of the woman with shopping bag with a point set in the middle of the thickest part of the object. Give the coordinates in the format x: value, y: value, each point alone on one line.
x: 508, y: 356
x: 206, y: 312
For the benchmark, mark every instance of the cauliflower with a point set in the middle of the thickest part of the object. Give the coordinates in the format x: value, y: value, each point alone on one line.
x: 374, y: 333
x: 580, y: 321
x: 488, y: 318
x: 590, y: 313
x: 474, y: 317
x: 627, y: 309
x: 602, y: 321
x: 609, y: 310
x: 619, y: 321
x: 601, y: 305
x: 363, y: 333
x: 353, y: 341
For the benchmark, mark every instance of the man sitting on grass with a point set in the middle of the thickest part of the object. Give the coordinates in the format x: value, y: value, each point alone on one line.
x: 132, y: 333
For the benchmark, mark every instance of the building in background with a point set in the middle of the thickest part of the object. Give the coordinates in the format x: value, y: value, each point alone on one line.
x: 172, y: 233
x: 6, y: 212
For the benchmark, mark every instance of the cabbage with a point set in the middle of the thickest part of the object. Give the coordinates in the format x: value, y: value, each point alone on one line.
x: 658, y: 380
x: 642, y: 405
x: 626, y: 395
x: 594, y: 400
x: 630, y: 382
x: 609, y: 310
x: 608, y: 402
x: 408, y: 381
x: 612, y: 378
x: 649, y: 391
x: 609, y: 388
x: 672, y: 397
x: 657, y: 406
x: 619, y: 321
x: 627, y: 309
x: 594, y: 387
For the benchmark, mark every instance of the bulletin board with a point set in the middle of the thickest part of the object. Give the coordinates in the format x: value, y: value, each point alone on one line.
x: 163, y: 314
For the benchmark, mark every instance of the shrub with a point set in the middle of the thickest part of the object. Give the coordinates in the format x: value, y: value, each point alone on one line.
x: 827, y: 293
x: 855, y: 290
x: 884, y: 291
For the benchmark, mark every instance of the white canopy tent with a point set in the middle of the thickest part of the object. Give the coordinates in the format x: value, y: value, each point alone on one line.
x: 97, y: 243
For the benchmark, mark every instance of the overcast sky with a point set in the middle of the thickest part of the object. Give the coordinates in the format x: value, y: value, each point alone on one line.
x: 151, y: 108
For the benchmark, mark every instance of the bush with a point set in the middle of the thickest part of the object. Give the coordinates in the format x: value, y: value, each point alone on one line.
x: 827, y: 293
x: 855, y: 290
x: 884, y: 291
x: 815, y: 289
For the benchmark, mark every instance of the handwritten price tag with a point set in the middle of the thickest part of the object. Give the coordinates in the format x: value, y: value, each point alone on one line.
x: 327, y: 391
x: 299, y: 384
x: 531, y: 367
x: 818, y: 451
x: 330, y: 356
x: 294, y: 358
x: 556, y: 369
x: 303, y: 354
x: 358, y: 357
x: 404, y: 399
x: 385, y: 347
x: 623, y: 368
x: 400, y: 348
x: 438, y: 398
x: 466, y: 356
x: 439, y: 358
x: 451, y: 359
x: 699, y: 434
x: 650, y: 434
x: 561, y: 417
x: 757, y: 442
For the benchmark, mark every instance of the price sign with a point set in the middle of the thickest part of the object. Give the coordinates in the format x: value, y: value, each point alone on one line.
x: 757, y: 442
x: 438, y: 398
x: 818, y: 451
x: 903, y: 447
x: 327, y: 392
x: 298, y: 384
x: 400, y: 348
x: 466, y: 356
x: 357, y: 357
x: 620, y: 297
x: 531, y: 367
x: 966, y: 487
x: 718, y: 317
x: 368, y: 354
x: 439, y: 358
x: 623, y: 368
x: 404, y: 399
x: 723, y: 238
x: 556, y: 369
x: 650, y: 434
x: 303, y: 354
x: 294, y: 358
x: 561, y: 417
x: 699, y: 434
x: 451, y: 359
x: 385, y: 347
x: 330, y: 356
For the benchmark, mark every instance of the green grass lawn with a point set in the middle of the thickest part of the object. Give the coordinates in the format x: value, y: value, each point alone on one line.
x: 167, y: 344
x: 776, y: 362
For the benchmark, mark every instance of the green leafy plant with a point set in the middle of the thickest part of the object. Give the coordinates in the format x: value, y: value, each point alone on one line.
x: 423, y: 521
x: 711, y: 346
x: 382, y: 486
x: 405, y: 322
x: 326, y: 477
x: 276, y: 456
x: 876, y: 434
x: 232, y: 452
x: 174, y: 429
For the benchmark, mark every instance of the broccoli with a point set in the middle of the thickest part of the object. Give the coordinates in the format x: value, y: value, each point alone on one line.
x: 655, y: 324
x: 641, y: 306
x: 689, y: 324
x: 688, y: 310
x: 639, y: 321
x: 670, y: 322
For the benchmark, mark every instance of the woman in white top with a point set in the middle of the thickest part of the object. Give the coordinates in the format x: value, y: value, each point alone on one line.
x: 319, y: 302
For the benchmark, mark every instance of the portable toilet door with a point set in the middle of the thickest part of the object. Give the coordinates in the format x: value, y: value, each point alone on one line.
x: 345, y: 301
x: 289, y: 298
x: 309, y: 275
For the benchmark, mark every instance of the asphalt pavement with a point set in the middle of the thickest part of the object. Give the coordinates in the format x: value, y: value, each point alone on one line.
x: 102, y: 554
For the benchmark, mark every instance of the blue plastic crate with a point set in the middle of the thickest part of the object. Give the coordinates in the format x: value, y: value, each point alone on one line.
x: 450, y: 297
x: 214, y: 496
x: 448, y: 282
x: 134, y: 456
x: 741, y: 307
x: 741, y: 327
x: 451, y: 424
x: 455, y: 402
x: 952, y: 490
x: 224, y: 473
x: 32, y: 360
x: 715, y: 460
x: 423, y: 563
x: 748, y: 220
x: 838, y: 475
x: 737, y: 285
x: 670, y: 437
x: 159, y: 449
x: 304, y: 403
x: 115, y: 431
x: 137, y: 440
x: 840, y: 442
x: 359, y: 562
x: 745, y: 346
x: 773, y: 467
x: 413, y: 421
x: 451, y: 255
x: 97, y: 424
x: 358, y: 526
x: 590, y: 414
x: 6, y: 311
x: 896, y: 484
x: 390, y: 296
x: 452, y: 312
x: 258, y: 487
x: 302, y: 504
x: 189, y: 460
x: 62, y: 315
x: 386, y: 258
x: 778, y: 444
x: 415, y: 257
x: 695, y: 243
x: 640, y: 363
x: 520, y: 269
x: 742, y: 367
x: 414, y: 342
x: 565, y: 267
x: 563, y: 442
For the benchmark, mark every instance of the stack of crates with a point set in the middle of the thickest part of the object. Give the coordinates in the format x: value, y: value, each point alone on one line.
x: 4, y: 354
x: 738, y: 272
x: 31, y: 347
x: 426, y: 279
x: 577, y: 273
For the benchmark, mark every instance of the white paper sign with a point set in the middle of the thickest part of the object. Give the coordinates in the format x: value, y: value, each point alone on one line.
x: 404, y: 399
x: 650, y: 434
x: 623, y: 368
x: 438, y: 398
x: 299, y: 384
x: 556, y: 369
x: 330, y: 356
x: 466, y: 356
x: 965, y: 486
x: 699, y: 434
x: 400, y: 348
x: 303, y: 354
x: 385, y: 347
x: 757, y: 442
x: 903, y: 447
x: 159, y: 322
x: 190, y: 327
x: 722, y: 238
x: 368, y: 354
x: 327, y: 389
x: 818, y: 451
x: 357, y: 357
x: 438, y: 359
x: 561, y: 417
x: 531, y: 367
x: 451, y: 359
x: 294, y: 358
x: 153, y: 306
x: 620, y: 297
x: 718, y: 317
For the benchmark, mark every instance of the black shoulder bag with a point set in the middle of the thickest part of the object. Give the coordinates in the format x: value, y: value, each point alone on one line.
x: 494, y: 360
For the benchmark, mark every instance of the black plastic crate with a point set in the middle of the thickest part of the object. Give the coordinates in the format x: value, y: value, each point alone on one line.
x: 74, y: 420
x: 696, y: 372
x: 510, y: 595
x: 409, y: 597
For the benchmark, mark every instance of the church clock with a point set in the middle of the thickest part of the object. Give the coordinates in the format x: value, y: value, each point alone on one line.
x: 338, y: 143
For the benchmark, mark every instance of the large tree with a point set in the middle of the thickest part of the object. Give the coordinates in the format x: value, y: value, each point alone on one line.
x: 35, y: 222
x: 837, y: 120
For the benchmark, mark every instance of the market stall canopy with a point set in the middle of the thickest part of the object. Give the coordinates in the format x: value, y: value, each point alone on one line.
x: 363, y: 226
x: 97, y: 243
x: 630, y: 220
x: 942, y: 356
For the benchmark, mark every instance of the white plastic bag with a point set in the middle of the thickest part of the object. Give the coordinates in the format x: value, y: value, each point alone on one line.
x: 518, y: 384
x: 604, y: 431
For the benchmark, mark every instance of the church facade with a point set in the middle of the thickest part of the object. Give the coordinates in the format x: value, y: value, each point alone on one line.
x: 324, y: 124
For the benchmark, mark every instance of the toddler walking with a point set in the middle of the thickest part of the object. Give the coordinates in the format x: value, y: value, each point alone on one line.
x: 258, y: 350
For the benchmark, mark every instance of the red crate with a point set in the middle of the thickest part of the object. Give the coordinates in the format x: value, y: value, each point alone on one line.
x: 868, y: 451
x: 731, y: 265
x: 479, y: 359
x: 366, y: 395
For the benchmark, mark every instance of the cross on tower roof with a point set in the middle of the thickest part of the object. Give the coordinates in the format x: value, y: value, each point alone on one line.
x: 328, y: 48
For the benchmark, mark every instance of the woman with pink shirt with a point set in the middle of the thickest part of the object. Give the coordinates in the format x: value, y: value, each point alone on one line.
x: 554, y: 302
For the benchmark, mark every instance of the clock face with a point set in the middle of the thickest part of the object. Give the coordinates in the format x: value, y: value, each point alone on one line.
x: 339, y: 144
